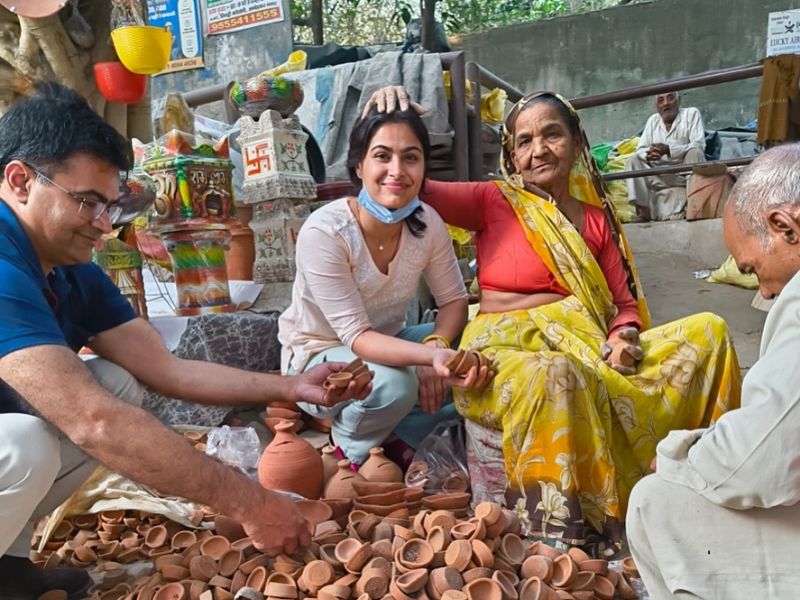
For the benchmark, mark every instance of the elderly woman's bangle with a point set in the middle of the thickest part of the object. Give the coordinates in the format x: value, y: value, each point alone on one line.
x: 437, y: 338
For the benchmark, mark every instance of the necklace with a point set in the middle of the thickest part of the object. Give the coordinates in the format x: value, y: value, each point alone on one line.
x: 381, y: 247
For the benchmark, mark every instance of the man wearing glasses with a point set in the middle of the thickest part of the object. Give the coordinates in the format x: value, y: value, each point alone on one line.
x: 59, y: 193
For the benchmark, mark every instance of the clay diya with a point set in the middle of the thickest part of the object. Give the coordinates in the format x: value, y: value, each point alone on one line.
x: 338, y: 380
x: 535, y: 589
x: 620, y: 356
x: 512, y: 550
x: 537, y: 566
x: 483, y: 589
x: 564, y: 571
x: 415, y: 554
x: 442, y: 579
x: 170, y: 591
x: 506, y: 583
x: 578, y: 555
x: 629, y: 567
x: 625, y: 589
x: 412, y: 581
x: 595, y: 565
x: 329, y: 461
x: 314, y: 511
x: 603, y: 588
x: 446, y: 501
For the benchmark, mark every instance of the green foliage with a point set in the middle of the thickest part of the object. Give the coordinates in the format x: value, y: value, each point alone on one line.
x: 365, y: 22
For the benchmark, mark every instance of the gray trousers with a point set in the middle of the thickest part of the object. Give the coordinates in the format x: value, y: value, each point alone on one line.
x: 686, y: 547
x: 664, y: 195
x: 40, y: 468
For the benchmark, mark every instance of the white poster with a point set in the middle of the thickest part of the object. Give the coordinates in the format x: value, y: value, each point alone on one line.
x: 783, y: 33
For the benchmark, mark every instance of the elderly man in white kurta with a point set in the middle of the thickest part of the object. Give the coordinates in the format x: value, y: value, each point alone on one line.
x: 720, y: 517
x: 671, y: 136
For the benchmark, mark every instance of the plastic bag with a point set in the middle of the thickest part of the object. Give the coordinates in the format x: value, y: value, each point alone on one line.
x: 238, y: 447
x: 728, y: 272
x: 440, y: 463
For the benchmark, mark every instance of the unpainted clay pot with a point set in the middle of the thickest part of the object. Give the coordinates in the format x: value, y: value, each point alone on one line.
x: 170, y: 591
x: 329, y: 461
x: 379, y: 468
x: 483, y: 589
x: 341, y: 484
x: 291, y: 464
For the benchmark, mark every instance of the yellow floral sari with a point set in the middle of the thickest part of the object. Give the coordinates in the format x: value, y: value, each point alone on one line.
x: 577, y: 435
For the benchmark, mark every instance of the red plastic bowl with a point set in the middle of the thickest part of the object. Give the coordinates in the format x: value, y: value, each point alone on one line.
x: 118, y: 84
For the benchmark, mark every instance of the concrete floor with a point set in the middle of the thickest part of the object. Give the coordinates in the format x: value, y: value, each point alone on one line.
x: 668, y: 253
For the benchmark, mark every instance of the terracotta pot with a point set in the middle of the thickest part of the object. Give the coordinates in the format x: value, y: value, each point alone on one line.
x: 537, y: 566
x: 314, y: 511
x: 370, y: 488
x: 329, y: 461
x: 595, y: 565
x: 170, y: 591
x: 241, y: 253
x: 446, y: 501
x: 341, y: 484
x: 483, y: 589
x: 291, y: 464
x: 379, y: 468
x: 564, y: 571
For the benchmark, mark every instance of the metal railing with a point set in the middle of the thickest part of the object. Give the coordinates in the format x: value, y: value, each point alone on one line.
x: 478, y: 77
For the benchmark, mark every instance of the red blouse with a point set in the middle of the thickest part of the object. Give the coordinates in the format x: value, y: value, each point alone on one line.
x: 506, y: 260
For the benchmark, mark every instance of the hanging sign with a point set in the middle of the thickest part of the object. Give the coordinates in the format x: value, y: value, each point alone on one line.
x: 225, y: 16
x: 783, y: 33
x: 182, y: 19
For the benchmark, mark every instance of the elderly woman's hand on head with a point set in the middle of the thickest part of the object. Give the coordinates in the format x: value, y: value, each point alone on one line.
x: 389, y: 99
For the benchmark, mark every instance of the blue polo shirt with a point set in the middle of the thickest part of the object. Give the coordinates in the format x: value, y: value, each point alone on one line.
x: 68, y: 307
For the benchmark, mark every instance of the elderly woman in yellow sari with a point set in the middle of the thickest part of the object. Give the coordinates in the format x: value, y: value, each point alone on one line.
x: 581, y: 396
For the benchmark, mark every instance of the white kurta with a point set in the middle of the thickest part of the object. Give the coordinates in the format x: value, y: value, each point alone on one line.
x: 665, y: 195
x: 720, y: 518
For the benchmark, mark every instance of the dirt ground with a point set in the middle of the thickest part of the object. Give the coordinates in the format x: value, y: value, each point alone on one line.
x: 667, y: 255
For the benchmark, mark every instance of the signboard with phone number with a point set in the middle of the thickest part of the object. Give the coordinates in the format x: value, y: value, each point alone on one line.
x: 225, y: 16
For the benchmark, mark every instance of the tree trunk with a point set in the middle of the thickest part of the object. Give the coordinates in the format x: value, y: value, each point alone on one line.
x: 316, y: 22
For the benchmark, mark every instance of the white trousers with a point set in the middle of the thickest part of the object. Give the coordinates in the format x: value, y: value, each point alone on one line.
x: 664, y: 195
x: 686, y: 547
x: 40, y: 468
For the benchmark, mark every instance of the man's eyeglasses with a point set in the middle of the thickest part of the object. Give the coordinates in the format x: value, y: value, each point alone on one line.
x: 93, y: 206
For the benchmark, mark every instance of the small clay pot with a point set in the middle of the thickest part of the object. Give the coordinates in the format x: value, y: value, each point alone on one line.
x: 314, y: 511
x: 629, y: 567
x: 183, y: 539
x: 379, y: 468
x: 446, y: 501
x: 341, y: 484
x: 354, y: 365
x: 482, y: 554
x: 412, y: 581
x: 291, y: 464
x: 603, y: 588
x: 318, y: 573
x: 170, y: 591
x: 504, y: 580
x: 156, y: 536
x: 483, y: 589
x: 339, y: 380
x: 619, y: 356
x: 458, y: 554
x: 624, y: 588
x: 578, y: 555
x: 363, y: 487
x: 595, y: 565
x: 329, y: 462
x: 229, y: 528
x: 454, y: 360
x: 230, y: 561
x: 512, y: 549
x: 384, y: 499
x: 416, y: 554
x: 477, y: 573
x: 534, y: 589
x: 257, y: 578
x: 564, y: 571
x: 215, y: 547
x: 203, y: 568
x: 537, y: 566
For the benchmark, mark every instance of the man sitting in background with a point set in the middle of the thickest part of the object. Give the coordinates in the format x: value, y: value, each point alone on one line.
x: 720, y: 516
x: 671, y: 136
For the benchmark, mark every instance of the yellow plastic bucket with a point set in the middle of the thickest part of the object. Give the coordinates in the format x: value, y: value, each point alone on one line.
x: 142, y: 49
